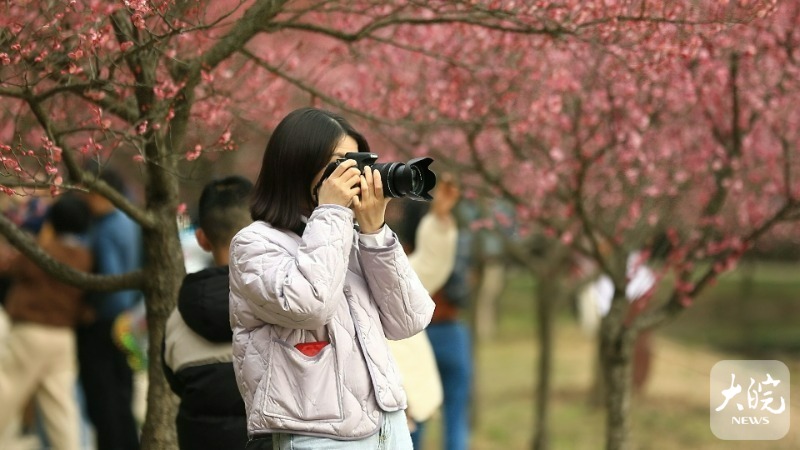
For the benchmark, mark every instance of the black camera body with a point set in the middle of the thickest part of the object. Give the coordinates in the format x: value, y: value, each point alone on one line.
x: 412, y: 179
x: 362, y: 159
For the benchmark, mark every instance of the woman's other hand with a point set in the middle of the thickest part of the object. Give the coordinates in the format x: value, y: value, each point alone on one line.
x: 370, y: 207
x: 342, y: 186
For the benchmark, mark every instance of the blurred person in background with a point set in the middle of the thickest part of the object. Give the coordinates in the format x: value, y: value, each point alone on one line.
x: 452, y: 345
x: 39, y: 360
x: 432, y: 258
x: 28, y: 213
x: 594, y: 303
x: 448, y: 334
x: 105, y: 374
x: 198, y: 360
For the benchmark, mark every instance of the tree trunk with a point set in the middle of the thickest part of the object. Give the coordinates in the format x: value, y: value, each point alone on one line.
x: 492, y: 282
x: 164, y: 271
x: 616, y: 367
x: 548, y: 291
x: 163, y: 276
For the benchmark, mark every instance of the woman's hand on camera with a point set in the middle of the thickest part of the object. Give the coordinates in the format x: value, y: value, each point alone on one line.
x: 370, y: 207
x: 342, y: 186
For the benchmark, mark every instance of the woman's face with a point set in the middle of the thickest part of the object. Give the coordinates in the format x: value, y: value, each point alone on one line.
x: 346, y: 145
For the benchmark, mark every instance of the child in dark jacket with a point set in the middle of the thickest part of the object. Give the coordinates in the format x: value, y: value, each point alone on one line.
x: 197, y: 344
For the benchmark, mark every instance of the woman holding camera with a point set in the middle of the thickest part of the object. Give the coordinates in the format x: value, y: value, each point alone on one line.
x: 313, y: 300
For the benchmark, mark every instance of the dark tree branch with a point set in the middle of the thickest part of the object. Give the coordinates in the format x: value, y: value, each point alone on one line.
x: 673, y: 306
x: 82, y: 177
x: 28, y: 246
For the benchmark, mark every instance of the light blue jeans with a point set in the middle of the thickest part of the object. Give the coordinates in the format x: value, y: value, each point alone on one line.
x: 393, y: 435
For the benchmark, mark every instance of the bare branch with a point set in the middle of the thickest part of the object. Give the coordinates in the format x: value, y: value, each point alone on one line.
x: 366, y: 31
x: 260, y: 13
x: 80, y: 176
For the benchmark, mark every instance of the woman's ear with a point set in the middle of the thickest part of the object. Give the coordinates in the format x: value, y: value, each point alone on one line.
x: 202, y: 239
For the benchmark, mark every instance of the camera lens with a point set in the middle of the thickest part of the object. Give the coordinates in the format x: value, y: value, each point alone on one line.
x: 416, y: 179
x: 413, y: 180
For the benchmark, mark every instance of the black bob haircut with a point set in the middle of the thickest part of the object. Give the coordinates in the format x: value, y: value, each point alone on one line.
x: 223, y: 208
x: 299, y: 148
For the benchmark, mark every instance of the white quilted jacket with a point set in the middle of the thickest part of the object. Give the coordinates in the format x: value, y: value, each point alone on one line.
x: 324, y: 287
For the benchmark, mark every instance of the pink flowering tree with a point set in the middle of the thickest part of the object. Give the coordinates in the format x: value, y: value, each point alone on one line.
x: 607, y: 140
x: 155, y: 84
x: 158, y: 84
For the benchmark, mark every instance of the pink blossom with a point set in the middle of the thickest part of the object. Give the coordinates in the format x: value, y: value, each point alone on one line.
x: 72, y: 69
x: 556, y: 154
x: 225, y: 137
x: 195, y: 153
x: 55, y: 153
x: 138, y: 21
x: 95, y: 95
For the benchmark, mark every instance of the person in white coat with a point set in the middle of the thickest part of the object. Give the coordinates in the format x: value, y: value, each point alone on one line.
x: 313, y: 298
x: 433, y: 260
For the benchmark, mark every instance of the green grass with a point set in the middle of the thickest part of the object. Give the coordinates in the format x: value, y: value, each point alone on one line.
x: 752, y: 311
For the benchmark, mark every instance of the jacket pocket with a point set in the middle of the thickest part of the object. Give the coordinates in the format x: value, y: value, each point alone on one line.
x: 303, y: 387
